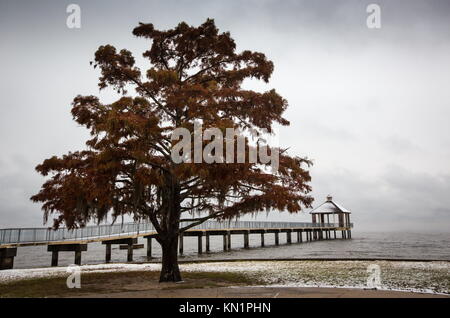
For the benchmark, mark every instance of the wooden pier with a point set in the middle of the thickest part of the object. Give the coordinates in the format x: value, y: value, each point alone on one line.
x: 301, y: 234
x: 76, y: 241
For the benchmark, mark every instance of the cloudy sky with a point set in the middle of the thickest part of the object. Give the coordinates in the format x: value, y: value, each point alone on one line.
x: 369, y: 106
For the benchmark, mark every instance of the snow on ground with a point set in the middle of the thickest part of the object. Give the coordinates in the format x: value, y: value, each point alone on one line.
x: 429, y: 277
x: 410, y: 276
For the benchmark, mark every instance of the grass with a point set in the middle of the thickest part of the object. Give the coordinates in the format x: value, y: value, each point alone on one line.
x: 112, y: 282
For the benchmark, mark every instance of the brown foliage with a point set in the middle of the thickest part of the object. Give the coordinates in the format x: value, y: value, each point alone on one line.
x: 195, y: 74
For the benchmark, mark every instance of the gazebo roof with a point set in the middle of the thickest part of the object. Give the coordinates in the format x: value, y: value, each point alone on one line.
x: 329, y: 206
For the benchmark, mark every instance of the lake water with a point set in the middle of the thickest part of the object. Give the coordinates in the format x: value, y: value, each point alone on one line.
x: 362, y: 245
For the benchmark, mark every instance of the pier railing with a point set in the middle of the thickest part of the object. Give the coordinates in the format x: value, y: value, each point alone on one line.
x: 42, y: 235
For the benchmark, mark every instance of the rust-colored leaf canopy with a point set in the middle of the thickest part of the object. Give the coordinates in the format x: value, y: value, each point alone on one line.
x: 195, y: 74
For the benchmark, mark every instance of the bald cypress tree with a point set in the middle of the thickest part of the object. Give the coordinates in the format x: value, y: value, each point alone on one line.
x: 127, y: 168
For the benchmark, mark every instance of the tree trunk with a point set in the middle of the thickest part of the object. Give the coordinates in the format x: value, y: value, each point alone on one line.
x: 170, y: 272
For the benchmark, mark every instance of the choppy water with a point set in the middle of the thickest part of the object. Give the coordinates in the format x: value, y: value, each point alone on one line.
x: 362, y: 245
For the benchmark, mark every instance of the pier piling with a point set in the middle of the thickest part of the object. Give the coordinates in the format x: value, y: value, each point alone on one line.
x: 7, y: 257
x: 181, y: 243
x: 288, y: 237
x: 56, y: 248
x: 149, y: 247
x: 199, y: 242
x: 207, y: 241
x: 126, y: 241
x: 246, y: 243
x: 108, y: 253
x: 130, y: 253
x: 54, y: 258
x: 78, y: 257
x: 225, y: 244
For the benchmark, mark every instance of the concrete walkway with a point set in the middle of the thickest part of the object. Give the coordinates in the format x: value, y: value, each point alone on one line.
x: 266, y: 292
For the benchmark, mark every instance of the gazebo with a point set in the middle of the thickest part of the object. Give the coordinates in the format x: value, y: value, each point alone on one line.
x: 331, y: 212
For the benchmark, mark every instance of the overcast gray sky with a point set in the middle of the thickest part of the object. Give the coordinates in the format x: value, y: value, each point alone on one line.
x: 369, y: 106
